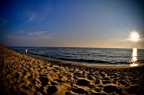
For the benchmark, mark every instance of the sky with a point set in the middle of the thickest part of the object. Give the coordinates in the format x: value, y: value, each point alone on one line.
x: 71, y: 23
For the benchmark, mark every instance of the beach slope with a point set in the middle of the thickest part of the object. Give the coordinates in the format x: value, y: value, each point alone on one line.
x: 22, y: 74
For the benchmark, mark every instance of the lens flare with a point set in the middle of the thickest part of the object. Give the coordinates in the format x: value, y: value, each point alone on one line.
x: 134, y: 36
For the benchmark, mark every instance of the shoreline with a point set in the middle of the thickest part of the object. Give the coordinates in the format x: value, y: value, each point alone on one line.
x: 22, y: 74
x: 93, y: 65
x: 102, y: 56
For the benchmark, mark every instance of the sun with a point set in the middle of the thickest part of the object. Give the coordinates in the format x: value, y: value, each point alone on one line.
x: 134, y: 36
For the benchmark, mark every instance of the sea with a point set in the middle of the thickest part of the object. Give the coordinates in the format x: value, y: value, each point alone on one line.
x: 101, y: 56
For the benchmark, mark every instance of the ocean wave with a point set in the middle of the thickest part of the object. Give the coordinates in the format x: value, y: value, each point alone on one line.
x: 94, y: 56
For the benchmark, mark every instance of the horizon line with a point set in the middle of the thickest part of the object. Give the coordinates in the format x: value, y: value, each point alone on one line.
x: 79, y: 47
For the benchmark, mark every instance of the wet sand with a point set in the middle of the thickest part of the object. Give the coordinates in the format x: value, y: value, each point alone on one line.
x: 22, y: 74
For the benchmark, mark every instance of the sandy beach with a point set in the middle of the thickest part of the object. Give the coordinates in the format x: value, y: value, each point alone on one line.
x: 21, y: 74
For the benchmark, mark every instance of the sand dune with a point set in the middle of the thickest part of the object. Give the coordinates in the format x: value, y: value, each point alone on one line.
x: 21, y: 74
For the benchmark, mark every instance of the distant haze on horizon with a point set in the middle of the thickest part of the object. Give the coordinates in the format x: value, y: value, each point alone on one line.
x: 71, y: 23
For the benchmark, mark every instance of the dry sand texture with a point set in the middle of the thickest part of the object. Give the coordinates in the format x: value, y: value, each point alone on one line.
x: 21, y: 74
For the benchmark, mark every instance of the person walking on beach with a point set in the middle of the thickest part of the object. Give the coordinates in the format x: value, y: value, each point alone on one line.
x: 26, y: 50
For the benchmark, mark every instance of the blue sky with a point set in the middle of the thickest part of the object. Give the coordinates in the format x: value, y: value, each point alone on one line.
x: 70, y: 23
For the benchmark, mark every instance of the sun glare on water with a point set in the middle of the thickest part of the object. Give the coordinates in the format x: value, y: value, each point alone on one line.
x: 134, y: 36
x: 134, y: 58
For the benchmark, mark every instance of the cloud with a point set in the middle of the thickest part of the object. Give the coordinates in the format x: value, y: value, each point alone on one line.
x: 44, y: 34
x: 40, y: 14
x: 38, y: 38
x: 30, y: 35
x: 32, y: 17
x: 38, y: 17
